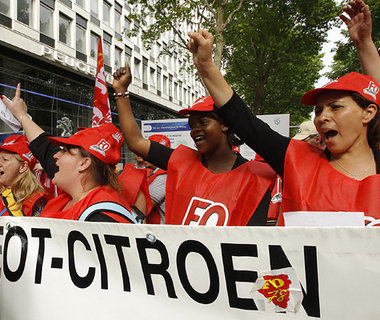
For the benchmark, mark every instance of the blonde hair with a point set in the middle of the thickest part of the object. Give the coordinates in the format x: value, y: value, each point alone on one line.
x: 26, y: 184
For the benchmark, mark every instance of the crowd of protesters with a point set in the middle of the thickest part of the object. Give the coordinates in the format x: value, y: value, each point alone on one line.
x: 331, y: 165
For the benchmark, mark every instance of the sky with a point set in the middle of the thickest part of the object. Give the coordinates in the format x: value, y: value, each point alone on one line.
x: 333, y: 35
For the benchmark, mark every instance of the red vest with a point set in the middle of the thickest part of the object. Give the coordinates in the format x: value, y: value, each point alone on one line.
x: 104, y: 199
x: 27, y: 206
x: 132, y: 181
x: 312, y: 184
x: 154, y: 216
x: 194, y: 195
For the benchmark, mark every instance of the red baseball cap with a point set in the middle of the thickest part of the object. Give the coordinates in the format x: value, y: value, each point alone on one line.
x: 160, y: 138
x: 103, y: 142
x: 19, y: 144
x: 354, y: 81
x: 202, y: 104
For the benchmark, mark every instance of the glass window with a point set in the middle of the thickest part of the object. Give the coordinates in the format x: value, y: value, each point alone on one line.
x: 81, y: 39
x: 128, y: 58
x: 4, y: 7
x: 117, y: 21
x: 165, y: 85
x: 24, y: 11
x: 137, y: 69
x: 106, y: 13
x: 127, y: 25
x: 64, y: 29
x: 152, y: 77
x: 128, y: 54
x: 80, y: 3
x: 171, y: 86
x: 137, y: 40
x: 94, y: 45
x: 46, y: 21
x: 94, y: 8
x: 180, y: 91
x: 117, y: 58
x: 145, y: 74
x: 106, y: 53
x: 175, y: 90
x: 158, y: 78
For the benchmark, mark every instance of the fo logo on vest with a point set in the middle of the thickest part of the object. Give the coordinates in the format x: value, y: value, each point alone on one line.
x: 204, y: 212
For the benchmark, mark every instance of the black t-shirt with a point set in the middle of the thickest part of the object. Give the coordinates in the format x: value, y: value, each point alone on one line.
x: 269, y: 144
x: 44, y: 151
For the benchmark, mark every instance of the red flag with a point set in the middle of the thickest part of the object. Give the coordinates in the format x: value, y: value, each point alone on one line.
x: 101, y: 113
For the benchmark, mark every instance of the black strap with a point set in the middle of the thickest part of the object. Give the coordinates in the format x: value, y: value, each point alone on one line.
x: 140, y: 216
x: 5, y: 203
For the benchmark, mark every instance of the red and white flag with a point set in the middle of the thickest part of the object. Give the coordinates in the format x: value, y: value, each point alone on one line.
x: 101, y: 113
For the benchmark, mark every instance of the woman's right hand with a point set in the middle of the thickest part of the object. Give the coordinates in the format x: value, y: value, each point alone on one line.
x: 122, y: 78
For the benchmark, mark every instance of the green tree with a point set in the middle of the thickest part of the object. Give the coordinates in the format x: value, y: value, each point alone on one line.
x: 275, y: 57
x: 158, y: 17
x: 346, y: 58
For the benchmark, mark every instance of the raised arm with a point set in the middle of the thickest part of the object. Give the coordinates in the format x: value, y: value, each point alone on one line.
x: 232, y: 110
x: 40, y: 145
x: 360, y: 28
x: 200, y: 45
x: 19, y: 110
x: 128, y: 125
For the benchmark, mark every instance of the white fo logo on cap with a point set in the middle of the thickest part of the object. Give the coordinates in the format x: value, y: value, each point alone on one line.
x: 28, y: 156
x: 372, y: 90
x: 102, y: 146
x: 200, y: 100
x: 117, y: 136
x: 9, y: 143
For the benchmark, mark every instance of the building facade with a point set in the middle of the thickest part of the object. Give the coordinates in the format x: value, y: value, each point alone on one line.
x: 51, y: 48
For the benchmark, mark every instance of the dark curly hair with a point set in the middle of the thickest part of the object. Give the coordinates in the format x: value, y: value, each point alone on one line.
x: 373, y: 133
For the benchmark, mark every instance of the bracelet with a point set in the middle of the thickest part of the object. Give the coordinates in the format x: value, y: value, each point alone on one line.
x: 121, y: 94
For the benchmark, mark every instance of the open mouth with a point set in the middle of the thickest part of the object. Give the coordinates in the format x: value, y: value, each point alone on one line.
x: 199, y: 138
x: 1, y: 172
x: 330, y: 134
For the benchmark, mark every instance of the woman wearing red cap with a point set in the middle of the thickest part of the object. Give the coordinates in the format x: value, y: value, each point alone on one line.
x: 211, y: 186
x: 346, y: 176
x: 84, y: 169
x: 21, y: 193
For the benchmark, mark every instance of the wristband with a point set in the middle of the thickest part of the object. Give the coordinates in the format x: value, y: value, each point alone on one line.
x: 121, y: 94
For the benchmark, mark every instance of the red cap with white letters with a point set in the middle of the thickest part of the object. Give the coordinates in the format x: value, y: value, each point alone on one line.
x: 161, y: 139
x: 103, y: 142
x: 19, y: 144
x: 202, y: 104
x: 354, y: 81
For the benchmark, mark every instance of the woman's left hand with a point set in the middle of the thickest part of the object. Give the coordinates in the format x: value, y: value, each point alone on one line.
x: 18, y: 106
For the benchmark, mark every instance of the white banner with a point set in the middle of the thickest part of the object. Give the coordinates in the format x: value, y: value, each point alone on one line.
x: 57, y: 269
x: 178, y: 131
